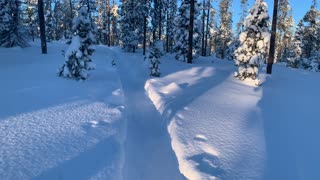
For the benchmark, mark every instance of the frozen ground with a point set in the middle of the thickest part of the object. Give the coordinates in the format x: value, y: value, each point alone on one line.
x: 194, y: 122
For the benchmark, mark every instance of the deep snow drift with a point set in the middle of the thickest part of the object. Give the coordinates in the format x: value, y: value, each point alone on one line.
x: 196, y: 121
x: 57, y: 128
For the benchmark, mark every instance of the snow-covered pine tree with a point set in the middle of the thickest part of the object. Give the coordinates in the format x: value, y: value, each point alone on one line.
x: 157, y: 19
x: 31, y: 20
x: 284, y: 35
x: 10, y: 29
x: 68, y: 15
x: 295, y: 51
x: 171, y: 6
x: 244, y: 12
x: 132, y: 23
x: 181, y: 31
x: 101, y: 22
x: 254, y: 42
x: 154, y: 56
x: 225, y: 33
x: 49, y: 21
x: 58, y: 14
x: 78, y: 55
x: 114, y: 24
x: 309, y: 45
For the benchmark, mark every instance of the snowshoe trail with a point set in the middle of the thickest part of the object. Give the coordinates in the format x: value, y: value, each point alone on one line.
x: 148, y: 152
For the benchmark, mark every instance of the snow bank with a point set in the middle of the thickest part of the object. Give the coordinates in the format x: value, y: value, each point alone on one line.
x: 54, y: 128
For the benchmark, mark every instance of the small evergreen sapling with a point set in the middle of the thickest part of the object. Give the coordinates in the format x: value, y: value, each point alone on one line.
x: 78, y: 55
x: 154, y: 55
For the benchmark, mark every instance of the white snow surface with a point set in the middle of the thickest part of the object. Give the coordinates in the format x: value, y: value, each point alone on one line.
x: 57, y: 128
x: 194, y: 122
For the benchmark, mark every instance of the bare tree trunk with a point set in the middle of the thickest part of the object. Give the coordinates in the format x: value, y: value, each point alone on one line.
x: 203, y: 28
x: 42, y: 27
x: 145, y: 33
x: 207, y: 28
x: 167, y: 35
x: 273, y: 37
x: 160, y: 18
x: 191, y: 32
x: 108, y: 23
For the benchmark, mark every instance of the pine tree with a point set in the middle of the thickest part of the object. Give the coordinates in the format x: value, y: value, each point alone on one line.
x: 170, y: 15
x: 305, y: 47
x: 68, y: 15
x: 295, y: 52
x: 58, y: 20
x: 49, y: 20
x: 10, y: 29
x: 114, y: 24
x: 154, y: 56
x: 132, y: 23
x: 181, y: 31
x: 244, y: 12
x: 284, y: 25
x: 225, y: 32
x: 32, y: 19
x: 254, y: 42
x: 78, y: 56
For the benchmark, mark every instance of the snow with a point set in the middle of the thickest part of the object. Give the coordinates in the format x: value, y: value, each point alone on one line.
x: 196, y: 121
x: 51, y: 127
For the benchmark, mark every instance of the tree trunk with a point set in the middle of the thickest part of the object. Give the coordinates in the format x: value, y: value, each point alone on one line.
x: 191, y: 31
x: 42, y: 27
x: 207, y: 28
x: 108, y: 23
x: 273, y: 37
x: 145, y: 33
x: 203, y: 28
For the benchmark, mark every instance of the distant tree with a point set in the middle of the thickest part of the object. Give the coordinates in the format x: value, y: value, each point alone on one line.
x: 243, y: 14
x: 181, y: 30
x: 254, y: 41
x: 225, y: 33
x: 78, y: 56
x: 132, y: 23
x: 10, y: 29
x: 284, y: 34
x: 295, y: 51
x: 170, y: 15
x: 306, y: 42
x: 114, y: 24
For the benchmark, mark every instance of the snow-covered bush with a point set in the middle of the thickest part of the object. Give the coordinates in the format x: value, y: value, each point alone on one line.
x: 78, y: 55
x: 254, y: 42
x: 154, y: 56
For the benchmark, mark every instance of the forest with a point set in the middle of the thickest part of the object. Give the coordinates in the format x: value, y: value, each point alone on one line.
x: 159, y: 89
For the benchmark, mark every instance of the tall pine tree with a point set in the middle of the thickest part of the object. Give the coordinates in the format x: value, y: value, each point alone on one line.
x: 254, y: 42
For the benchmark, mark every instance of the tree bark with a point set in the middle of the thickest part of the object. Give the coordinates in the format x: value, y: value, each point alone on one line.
x: 203, y: 28
x: 207, y: 28
x: 145, y: 33
x: 42, y: 27
x: 108, y: 23
x: 273, y: 37
x: 191, y: 32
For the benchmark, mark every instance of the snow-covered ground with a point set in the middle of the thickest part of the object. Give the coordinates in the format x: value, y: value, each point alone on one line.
x: 195, y: 121
x: 56, y: 128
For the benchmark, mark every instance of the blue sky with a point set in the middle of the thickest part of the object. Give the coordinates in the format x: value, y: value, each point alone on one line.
x: 299, y: 8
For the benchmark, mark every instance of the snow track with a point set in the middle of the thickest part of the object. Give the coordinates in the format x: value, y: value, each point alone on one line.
x: 148, y: 152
